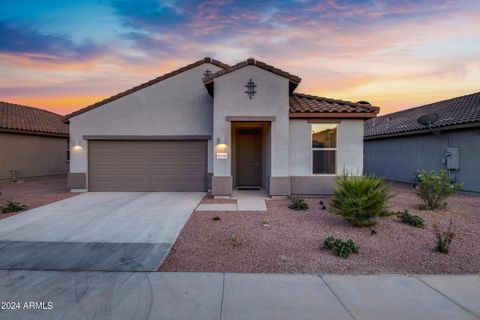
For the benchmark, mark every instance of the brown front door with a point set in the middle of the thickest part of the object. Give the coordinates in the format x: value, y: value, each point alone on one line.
x: 249, y: 151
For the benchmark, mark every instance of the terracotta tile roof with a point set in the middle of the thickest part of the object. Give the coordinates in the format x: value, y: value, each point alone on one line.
x: 14, y: 117
x: 304, y: 103
x: 147, y: 84
x: 456, y: 111
x: 294, y: 80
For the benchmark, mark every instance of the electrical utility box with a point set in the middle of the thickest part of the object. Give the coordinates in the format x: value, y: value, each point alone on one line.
x: 453, y: 158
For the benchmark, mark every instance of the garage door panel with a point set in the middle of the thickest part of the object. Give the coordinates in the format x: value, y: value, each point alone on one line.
x: 147, y: 165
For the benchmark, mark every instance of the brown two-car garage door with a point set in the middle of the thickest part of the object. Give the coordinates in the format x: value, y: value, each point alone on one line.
x: 147, y: 165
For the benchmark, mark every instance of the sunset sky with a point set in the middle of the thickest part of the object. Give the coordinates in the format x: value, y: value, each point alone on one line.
x: 63, y: 55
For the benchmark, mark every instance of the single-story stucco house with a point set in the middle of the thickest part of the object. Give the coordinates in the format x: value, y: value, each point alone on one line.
x: 210, y: 125
x: 441, y: 135
x: 33, y: 142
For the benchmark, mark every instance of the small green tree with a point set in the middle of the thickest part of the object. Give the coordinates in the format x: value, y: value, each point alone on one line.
x: 360, y: 199
x: 433, y: 189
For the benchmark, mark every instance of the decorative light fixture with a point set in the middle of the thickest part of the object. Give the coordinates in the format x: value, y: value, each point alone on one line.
x: 77, y: 145
x: 207, y: 73
x: 221, y: 149
x: 250, y: 88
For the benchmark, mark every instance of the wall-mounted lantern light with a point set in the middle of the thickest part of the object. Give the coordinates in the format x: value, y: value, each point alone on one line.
x: 221, y: 149
x: 77, y: 145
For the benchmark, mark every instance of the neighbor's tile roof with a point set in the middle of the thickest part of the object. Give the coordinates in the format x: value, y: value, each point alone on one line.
x: 147, y: 84
x: 14, y: 117
x: 252, y: 61
x: 304, y: 103
x: 455, y: 111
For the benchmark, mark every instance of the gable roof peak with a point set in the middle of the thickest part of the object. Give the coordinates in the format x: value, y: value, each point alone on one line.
x: 147, y: 84
x: 293, y: 80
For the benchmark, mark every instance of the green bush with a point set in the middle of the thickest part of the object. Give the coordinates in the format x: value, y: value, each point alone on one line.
x: 360, y: 199
x: 411, y: 219
x: 298, y: 203
x: 12, y: 206
x: 434, y: 188
x: 444, y: 237
x: 234, y: 241
x: 339, y: 247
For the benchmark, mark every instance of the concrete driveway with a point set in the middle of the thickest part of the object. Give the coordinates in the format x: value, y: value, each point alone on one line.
x: 128, y: 231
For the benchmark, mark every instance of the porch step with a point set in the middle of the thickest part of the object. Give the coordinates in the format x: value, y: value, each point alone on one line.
x: 217, y: 207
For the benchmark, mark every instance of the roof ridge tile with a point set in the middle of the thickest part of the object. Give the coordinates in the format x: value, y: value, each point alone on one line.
x: 252, y: 61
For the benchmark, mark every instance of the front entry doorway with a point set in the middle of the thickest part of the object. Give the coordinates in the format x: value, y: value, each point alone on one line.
x: 249, y: 157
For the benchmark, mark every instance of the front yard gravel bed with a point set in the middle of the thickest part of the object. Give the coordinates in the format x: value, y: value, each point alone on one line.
x: 291, y: 241
x: 34, y: 192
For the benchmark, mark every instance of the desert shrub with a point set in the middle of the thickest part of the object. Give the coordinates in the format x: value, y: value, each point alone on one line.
x: 444, y: 237
x: 433, y: 189
x: 298, y: 203
x: 234, y: 241
x: 360, y: 199
x: 339, y: 247
x: 216, y: 218
x: 12, y: 206
x: 410, y: 219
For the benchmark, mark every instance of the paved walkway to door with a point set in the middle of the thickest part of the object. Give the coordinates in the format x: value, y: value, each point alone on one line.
x: 97, y: 231
x: 247, y: 200
x: 157, y: 295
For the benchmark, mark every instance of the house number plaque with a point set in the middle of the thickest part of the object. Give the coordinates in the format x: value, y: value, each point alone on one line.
x: 222, y: 155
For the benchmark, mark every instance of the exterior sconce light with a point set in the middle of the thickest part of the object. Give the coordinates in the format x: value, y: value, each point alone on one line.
x: 221, y: 140
x: 77, y: 145
x: 221, y: 149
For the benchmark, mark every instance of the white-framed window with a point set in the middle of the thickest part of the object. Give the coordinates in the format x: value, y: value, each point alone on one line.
x: 324, y: 148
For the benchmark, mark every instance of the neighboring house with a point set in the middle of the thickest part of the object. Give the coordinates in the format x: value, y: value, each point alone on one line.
x: 211, y: 125
x: 441, y: 135
x: 33, y: 142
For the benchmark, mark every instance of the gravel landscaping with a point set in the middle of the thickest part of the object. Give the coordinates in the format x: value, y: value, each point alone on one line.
x: 287, y: 241
x: 34, y: 192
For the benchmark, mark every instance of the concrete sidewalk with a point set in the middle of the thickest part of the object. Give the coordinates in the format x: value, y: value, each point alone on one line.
x: 155, y: 295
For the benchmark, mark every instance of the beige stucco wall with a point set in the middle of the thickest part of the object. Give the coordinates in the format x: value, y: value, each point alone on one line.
x: 271, y: 99
x: 179, y: 105
x: 349, y: 155
x: 349, y: 147
x: 32, y: 155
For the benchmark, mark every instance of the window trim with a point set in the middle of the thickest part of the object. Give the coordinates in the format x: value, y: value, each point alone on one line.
x: 312, y: 149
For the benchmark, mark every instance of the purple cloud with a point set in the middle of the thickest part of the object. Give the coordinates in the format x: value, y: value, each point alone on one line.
x: 50, y: 47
